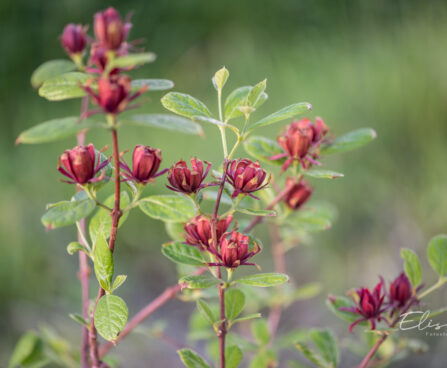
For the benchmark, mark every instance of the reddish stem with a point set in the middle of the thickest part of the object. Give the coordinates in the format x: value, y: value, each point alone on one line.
x: 116, y: 214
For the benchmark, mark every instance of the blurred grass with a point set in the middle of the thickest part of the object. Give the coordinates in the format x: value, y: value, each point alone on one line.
x: 360, y: 63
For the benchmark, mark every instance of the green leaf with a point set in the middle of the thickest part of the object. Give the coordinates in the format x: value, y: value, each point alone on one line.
x: 54, y: 130
x: 326, y: 343
x: 67, y: 212
x: 103, y: 262
x: 312, y: 356
x: 253, y: 212
x: 205, y: 310
x: 152, y: 84
x: 264, y: 279
x: 119, y: 280
x: 184, y: 105
x: 437, y: 254
x: 264, y: 359
x: 247, y: 318
x: 191, y: 359
x: 234, y: 303
x: 284, y: 113
x: 205, y: 119
x: 262, y: 149
x: 260, y: 332
x: 183, y: 254
x: 288, y: 339
x: 220, y: 78
x: 165, y: 121
x: 334, y: 303
x: 110, y: 316
x: 101, y: 221
x: 256, y: 93
x: 199, y: 281
x: 349, y: 141
x: 24, y: 349
x: 64, y: 86
x: 322, y: 174
x: 74, y: 247
x: 238, y: 98
x: 310, y: 220
x: 412, y: 266
x: 132, y: 60
x: 79, y: 319
x: 233, y: 356
x: 166, y: 207
x: 51, y: 69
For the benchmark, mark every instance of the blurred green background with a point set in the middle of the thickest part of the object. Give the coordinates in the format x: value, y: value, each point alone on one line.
x: 379, y: 64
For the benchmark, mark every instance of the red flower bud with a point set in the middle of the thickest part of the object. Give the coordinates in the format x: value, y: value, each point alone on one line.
x: 400, y: 291
x: 298, y: 194
x: 246, y: 177
x: 186, y: 180
x: 73, y: 38
x: 98, y: 57
x: 145, y: 163
x: 79, y: 164
x: 234, y: 250
x: 110, y: 30
x: 198, y: 231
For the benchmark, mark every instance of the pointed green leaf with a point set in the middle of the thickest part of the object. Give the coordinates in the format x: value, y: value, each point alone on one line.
x: 55, y: 129
x: 79, y: 319
x: 262, y: 149
x: 119, y: 280
x: 132, y: 60
x: 260, y: 332
x: 191, y: 359
x: 326, y: 343
x: 165, y: 121
x: 220, y: 78
x: 437, y: 254
x: 67, y: 212
x: 199, y: 281
x: 349, y: 141
x: 51, y: 69
x: 310, y: 220
x: 233, y: 356
x: 256, y: 93
x: 284, y: 113
x: 238, y: 98
x: 171, y: 208
x: 253, y: 212
x: 334, y: 303
x: 24, y: 350
x: 183, y: 254
x: 74, y: 247
x: 110, y: 316
x: 247, y: 318
x: 152, y: 84
x: 322, y: 174
x: 264, y: 279
x: 185, y: 105
x: 234, y: 303
x: 101, y: 221
x: 412, y: 266
x: 205, y: 310
x: 103, y: 262
x: 312, y: 355
x: 64, y: 86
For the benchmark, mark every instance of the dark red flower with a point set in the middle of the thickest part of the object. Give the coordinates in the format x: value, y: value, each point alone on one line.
x: 81, y: 165
x: 301, y: 142
x: 114, y: 93
x: 368, y: 305
x: 74, y: 38
x: 234, y: 250
x: 98, y: 57
x: 298, y: 194
x: 198, y: 231
x: 186, y: 180
x: 110, y: 30
x: 400, y: 291
x: 246, y: 177
x: 145, y: 163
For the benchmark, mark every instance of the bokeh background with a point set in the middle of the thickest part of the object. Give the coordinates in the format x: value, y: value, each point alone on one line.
x: 379, y: 64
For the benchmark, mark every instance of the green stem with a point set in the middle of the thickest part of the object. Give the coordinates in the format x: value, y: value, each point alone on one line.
x: 222, y: 129
x: 441, y: 282
x: 82, y: 235
x: 92, y: 196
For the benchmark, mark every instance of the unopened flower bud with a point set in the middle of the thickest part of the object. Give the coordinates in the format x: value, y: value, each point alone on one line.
x: 298, y: 194
x: 199, y: 233
x: 74, y: 39
x: 234, y: 249
x: 145, y: 163
x: 185, y: 180
x: 246, y: 177
x: 400, y: 291
x: 109, y: 28
x: 80, y: 164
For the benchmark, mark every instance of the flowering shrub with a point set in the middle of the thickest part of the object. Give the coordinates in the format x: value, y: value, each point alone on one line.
x: 209, y: 246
